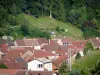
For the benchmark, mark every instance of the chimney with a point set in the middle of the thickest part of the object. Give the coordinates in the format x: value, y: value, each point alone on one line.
x: 49, y: 41
x: 20, y: 54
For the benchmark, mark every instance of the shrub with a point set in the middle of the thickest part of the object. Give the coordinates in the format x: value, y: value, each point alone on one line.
x: 75, y: 73
x: 78, y: 56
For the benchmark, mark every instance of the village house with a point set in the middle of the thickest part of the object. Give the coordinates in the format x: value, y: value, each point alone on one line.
x: 40, y: 64
x: 27, y: 43
x: 43, y: 41
x: 59, y: 61
x: 51, y: 47
x: 95, y: 42
x: 64, y: 41
x: 36, y: 43
x: 43, y: 54
x: 39, y: 56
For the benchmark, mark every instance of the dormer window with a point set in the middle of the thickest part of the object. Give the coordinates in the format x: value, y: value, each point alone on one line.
x: 65, y: 44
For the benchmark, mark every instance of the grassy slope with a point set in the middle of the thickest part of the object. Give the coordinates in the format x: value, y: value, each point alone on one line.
x: 87, y: 61
x: 52, y: 23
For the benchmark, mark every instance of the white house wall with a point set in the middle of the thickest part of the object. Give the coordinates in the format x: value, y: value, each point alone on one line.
x: 37, y: 47
x: 48, y: 66
x: 33, y: 66
x: 81, y: 53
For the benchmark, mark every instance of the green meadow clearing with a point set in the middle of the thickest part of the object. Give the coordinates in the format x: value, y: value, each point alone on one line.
x: 51, y: 23
x: 88, y: 61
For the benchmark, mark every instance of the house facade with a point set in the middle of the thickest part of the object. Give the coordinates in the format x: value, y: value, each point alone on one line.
x: 38, y: 65
x: 35, y: 65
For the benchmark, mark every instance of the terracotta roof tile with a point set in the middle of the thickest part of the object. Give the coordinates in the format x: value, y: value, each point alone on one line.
x: 8, y: 71
x: 60, y: 60
x: 15, y: 53
x: 40, y: 73
x: 51, y: 47
x: 41, y: 54
x: 61, y: 52
x: 20, y: 42
x: 54, y: 68
x: 67, y: 39
x: 31, y: 42
x: 4, y: 48
x: 95, y: 41
x: 13, y: 64
x: 43, y: 40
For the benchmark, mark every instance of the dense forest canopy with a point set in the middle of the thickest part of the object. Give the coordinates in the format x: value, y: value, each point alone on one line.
x: 84, y: 14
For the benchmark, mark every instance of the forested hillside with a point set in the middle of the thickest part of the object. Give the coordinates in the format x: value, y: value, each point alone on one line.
x: 84, y: 14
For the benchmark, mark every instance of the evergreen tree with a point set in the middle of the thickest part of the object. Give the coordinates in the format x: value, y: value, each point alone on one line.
x: 14, y: 9
x: 63, y: 69
x: 62, y: 12
x: 78, y: 56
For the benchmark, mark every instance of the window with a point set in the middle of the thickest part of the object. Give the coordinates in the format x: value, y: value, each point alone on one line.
x: 40, y: 65
x: 65, y: 44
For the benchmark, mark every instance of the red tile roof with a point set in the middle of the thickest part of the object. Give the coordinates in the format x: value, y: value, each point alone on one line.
x: 20, y: 42
x: 31, y: 42
x: 61, y: 52
x: 43, y: 40
x: 15, y: 53
x: 4, y: 48
x: 22, y: 72
x: 51, y: 47
x: 8, y: 71
x: 60, y: 60
x: 27, y: 42
x: 22, y: 48
x: 41, y: 54
x: 95, y: 41
x: 13, y: 64
x: 40, y: 73
x: 67, y: 39
x: 54, y: 68
x: 79, y: 45
x: 35, y: 73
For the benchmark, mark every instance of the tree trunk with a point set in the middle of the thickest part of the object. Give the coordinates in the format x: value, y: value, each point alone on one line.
x: 50, y: 13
